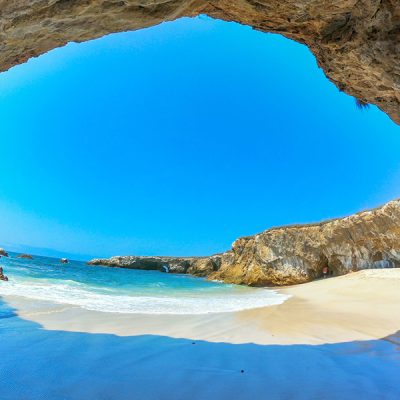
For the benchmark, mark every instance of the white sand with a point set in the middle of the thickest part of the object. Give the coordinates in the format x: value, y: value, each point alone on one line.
x: 334, y: 339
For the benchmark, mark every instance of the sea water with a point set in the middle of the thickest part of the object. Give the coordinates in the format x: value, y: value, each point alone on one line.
x: 120, y: 290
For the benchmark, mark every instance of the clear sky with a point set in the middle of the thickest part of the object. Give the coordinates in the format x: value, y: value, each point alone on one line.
x: 180, y: 138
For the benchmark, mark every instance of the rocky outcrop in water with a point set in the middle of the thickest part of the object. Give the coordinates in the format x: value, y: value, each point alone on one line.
x: 26, y: 256
x: 3, y: 252
x: 293, y: 254
x: 356, y: 42
x: 199, y: 266
x: 2, y: 276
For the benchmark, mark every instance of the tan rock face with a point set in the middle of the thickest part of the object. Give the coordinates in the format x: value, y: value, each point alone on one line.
x: 297, y: 254
x: 293, y: 254
x: 356, y: 42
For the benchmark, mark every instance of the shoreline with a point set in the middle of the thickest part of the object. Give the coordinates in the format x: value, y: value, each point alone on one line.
x: 337, y: 338
x: 331, y: 310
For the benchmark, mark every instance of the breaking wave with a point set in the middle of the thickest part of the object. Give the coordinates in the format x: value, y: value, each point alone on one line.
x: 121, y: 291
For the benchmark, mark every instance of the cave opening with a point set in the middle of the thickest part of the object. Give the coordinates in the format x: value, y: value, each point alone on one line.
x: 193, y: 123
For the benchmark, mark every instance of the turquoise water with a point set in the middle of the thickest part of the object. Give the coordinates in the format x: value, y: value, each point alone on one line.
x: 126, y: 291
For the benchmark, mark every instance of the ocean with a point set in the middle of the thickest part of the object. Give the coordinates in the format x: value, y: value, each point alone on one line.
x: 117, y: 290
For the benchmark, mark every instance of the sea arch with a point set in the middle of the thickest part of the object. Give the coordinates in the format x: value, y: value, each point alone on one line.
x: 355, y: 42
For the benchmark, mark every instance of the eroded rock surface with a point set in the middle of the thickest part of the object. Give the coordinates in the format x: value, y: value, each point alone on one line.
x: 294, y: 254
x: 356, y: 42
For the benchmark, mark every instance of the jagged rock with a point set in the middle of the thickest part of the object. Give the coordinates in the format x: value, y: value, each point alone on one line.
x: 164, y: 264
x: 27, y: 256
x: 294, y: 254
x: 356, y: 42
x: 2, y: 276
x: 3, y: 252
x: 204, y: 266
x: 200, y: 266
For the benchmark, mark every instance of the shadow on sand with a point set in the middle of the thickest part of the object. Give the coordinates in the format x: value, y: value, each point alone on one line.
x: 40, y: 364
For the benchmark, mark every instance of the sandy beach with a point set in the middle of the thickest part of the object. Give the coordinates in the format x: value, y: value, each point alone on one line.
x: 334, y: 338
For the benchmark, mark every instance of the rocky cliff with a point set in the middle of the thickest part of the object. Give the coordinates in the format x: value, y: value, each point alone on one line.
x: 293, y: 254
x: 356, y: 42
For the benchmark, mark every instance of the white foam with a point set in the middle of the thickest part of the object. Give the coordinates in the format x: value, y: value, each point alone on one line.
x: 200, y: 304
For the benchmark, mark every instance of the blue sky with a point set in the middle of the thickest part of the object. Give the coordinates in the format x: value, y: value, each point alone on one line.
x: 180, y: 138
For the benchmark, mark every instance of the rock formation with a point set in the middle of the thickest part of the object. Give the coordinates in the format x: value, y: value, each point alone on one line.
x: 199, y: 266
x: 26, y: 256
x: 3, y: 252
x: 293, y: 254
x: 356, y: 42
x: 2, y: 276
